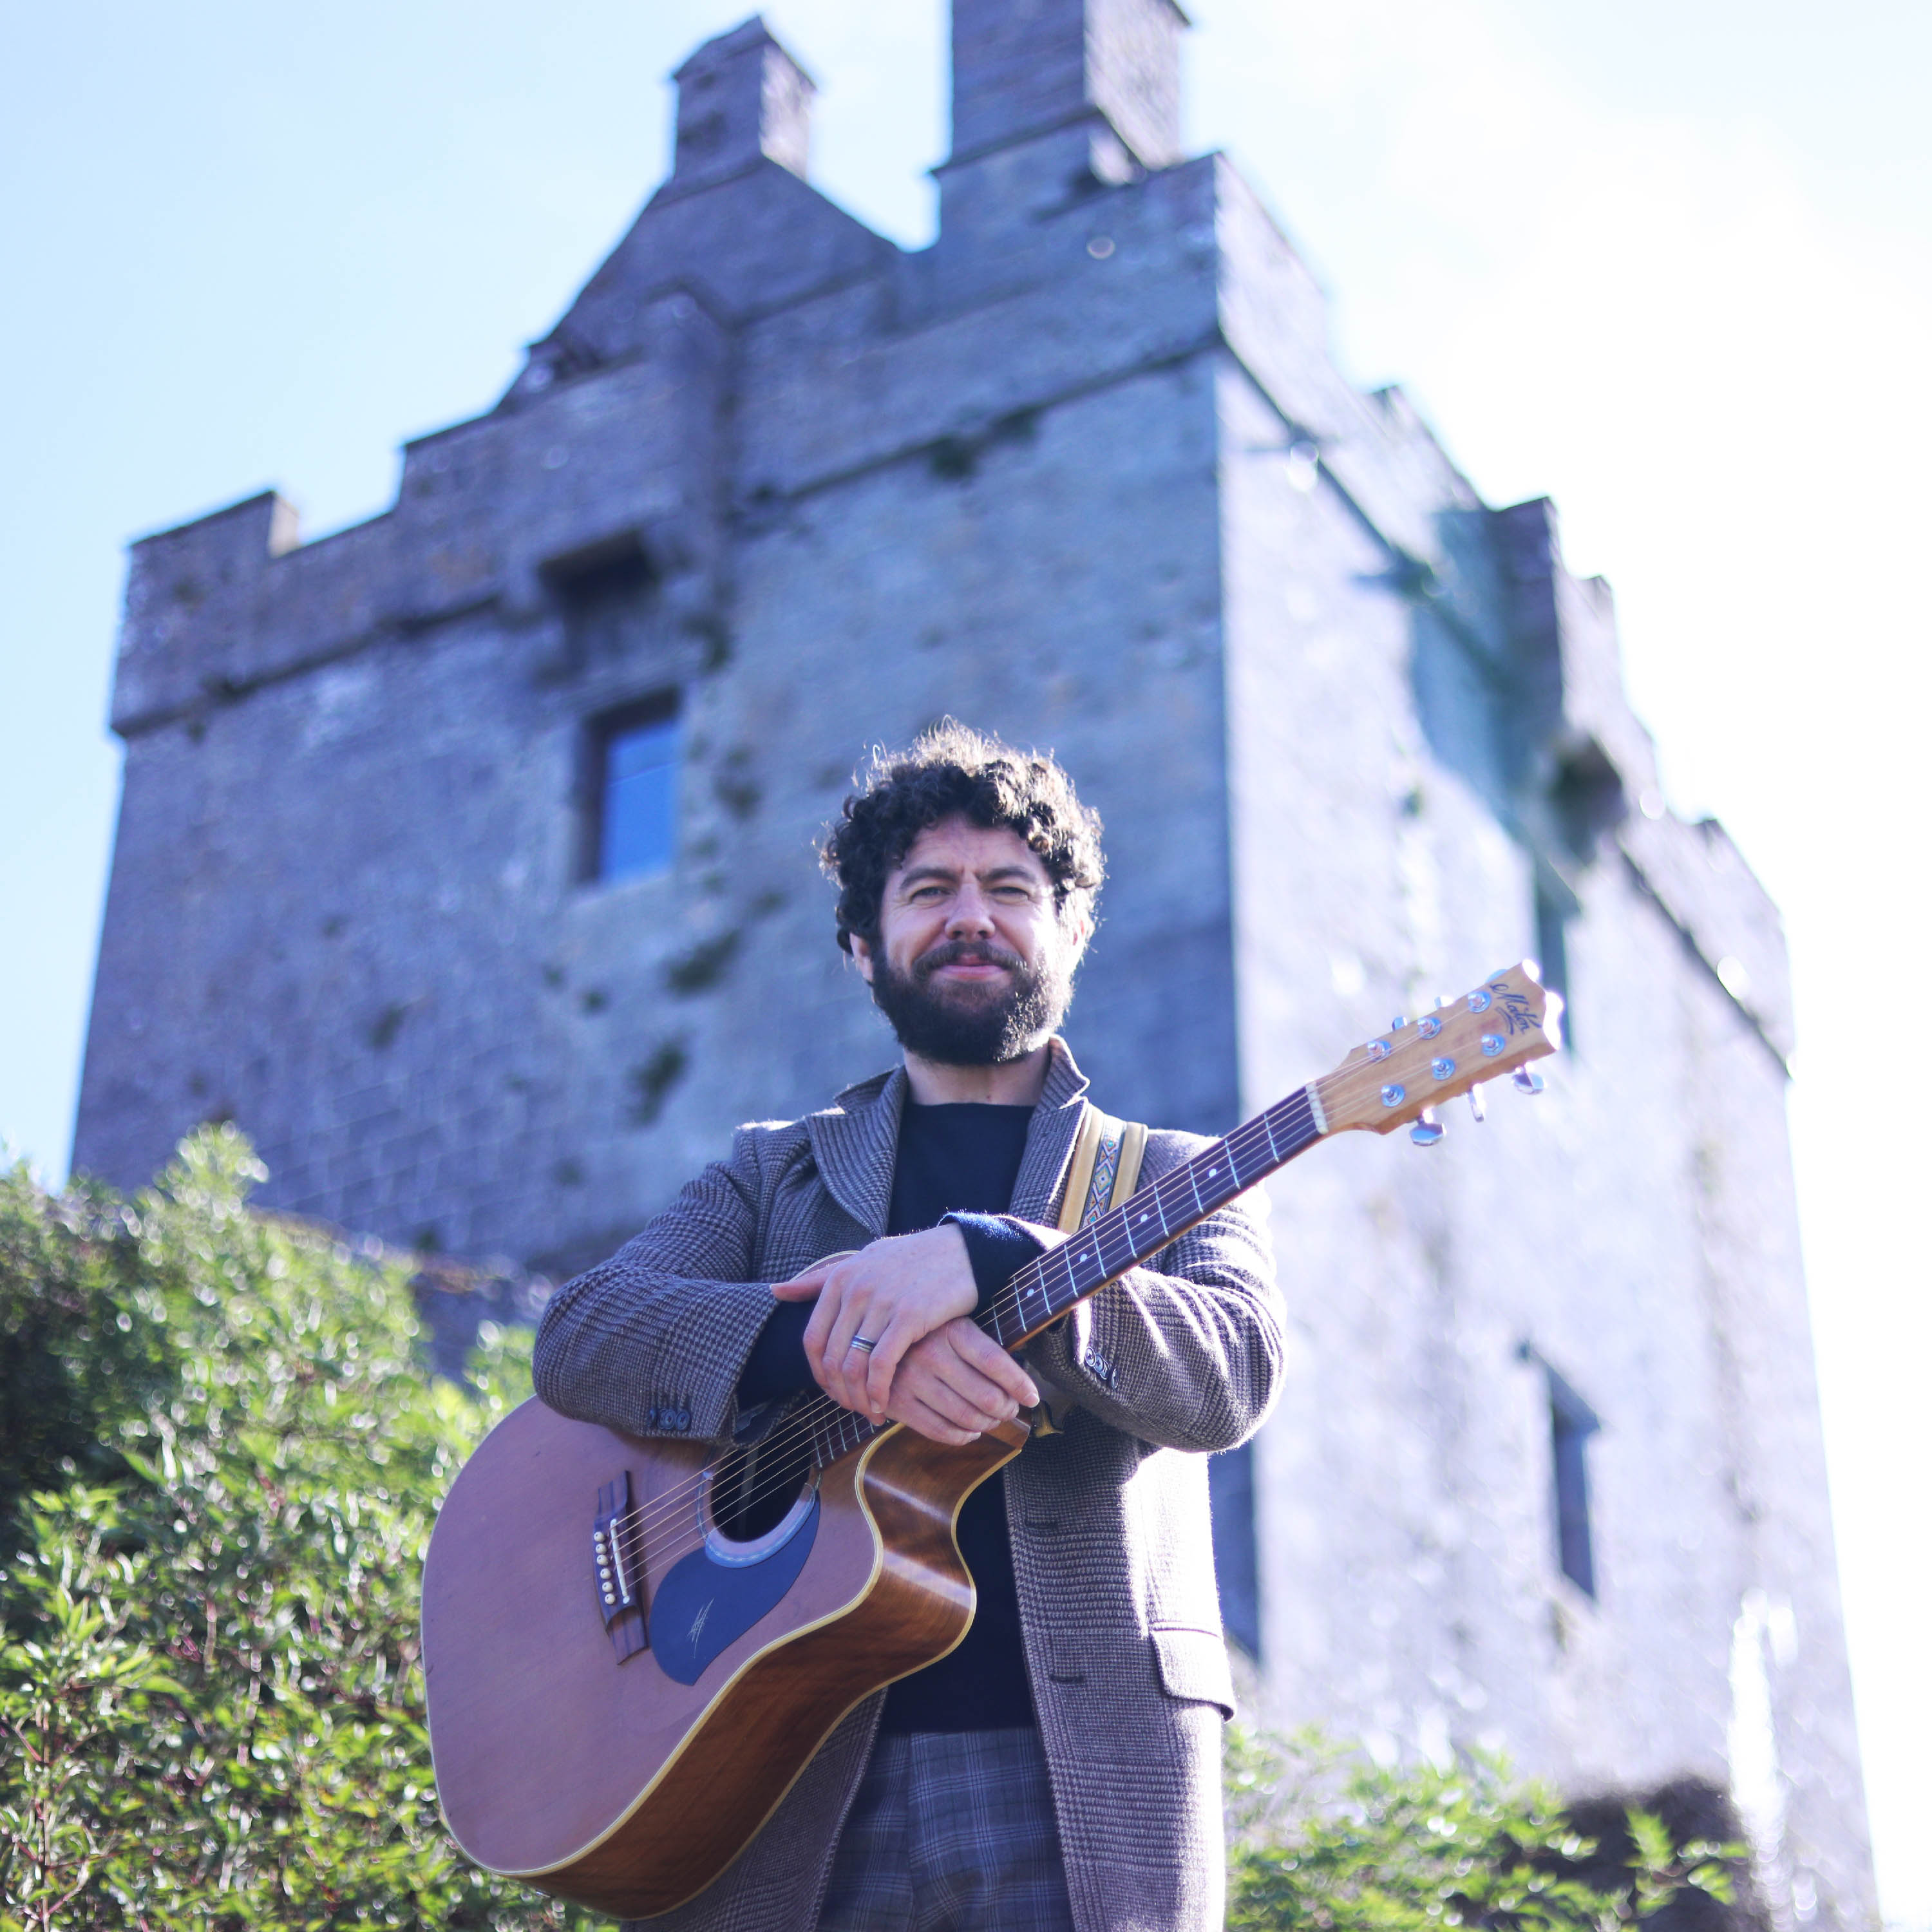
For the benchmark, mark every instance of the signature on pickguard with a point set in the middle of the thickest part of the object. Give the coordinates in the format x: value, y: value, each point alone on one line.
x: 1516, y: 1008
x: 698, y: 1622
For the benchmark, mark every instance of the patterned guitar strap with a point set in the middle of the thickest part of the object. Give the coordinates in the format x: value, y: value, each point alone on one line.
x: 1106, y: 1167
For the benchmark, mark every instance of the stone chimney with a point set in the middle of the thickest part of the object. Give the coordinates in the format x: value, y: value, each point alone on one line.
x: 741, y: 99
x: 1025, y: 68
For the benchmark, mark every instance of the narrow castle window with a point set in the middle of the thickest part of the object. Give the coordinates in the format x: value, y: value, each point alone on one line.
x: 605, y: 593
x: 633, y: 794
x: 1572, y: 1422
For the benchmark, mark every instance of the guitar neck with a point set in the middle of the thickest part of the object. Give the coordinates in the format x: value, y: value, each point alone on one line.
x: 1121, y: 1239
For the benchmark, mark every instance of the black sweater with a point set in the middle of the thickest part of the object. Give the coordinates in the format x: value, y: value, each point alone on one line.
x: 961, y: 1160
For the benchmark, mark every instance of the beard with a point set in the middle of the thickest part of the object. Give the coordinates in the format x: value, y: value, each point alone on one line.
x: 979, y: 1025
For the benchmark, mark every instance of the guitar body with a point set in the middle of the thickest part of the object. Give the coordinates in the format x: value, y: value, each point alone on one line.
x: 629, y: 1782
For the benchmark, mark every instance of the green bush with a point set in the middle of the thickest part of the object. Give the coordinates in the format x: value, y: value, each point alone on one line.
x: 1322, y: 1836
x: 220, y: 1459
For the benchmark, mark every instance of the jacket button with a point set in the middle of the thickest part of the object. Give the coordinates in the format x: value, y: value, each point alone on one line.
x: 651, y: 1419
x: 684, y: 1418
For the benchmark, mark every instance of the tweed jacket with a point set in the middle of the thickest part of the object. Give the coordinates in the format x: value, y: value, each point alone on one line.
x: 1112, y: 1552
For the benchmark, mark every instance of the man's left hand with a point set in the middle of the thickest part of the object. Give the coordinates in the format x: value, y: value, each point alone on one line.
x: 892, y: 1294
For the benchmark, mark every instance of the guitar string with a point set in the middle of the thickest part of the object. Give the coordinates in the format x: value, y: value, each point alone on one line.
x: 630, y: 1531
x: 638, y: 1525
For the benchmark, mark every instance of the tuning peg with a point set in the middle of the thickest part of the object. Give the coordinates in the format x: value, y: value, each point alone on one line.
x: 1397, y: 1024
x: 1526, y: 1080
x: 1475, y: 1099
x: 1427, y: 1131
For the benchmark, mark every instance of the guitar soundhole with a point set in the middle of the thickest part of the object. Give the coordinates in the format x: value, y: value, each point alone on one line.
x: 754, y: 1487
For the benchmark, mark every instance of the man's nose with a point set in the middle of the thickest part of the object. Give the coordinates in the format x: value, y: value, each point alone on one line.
x: 971, y: 914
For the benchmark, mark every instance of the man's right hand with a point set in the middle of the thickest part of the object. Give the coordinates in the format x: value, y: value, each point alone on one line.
x: 956, y: 1383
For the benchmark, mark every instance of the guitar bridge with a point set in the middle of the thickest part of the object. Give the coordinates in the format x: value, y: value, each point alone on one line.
x: 617, y: 1547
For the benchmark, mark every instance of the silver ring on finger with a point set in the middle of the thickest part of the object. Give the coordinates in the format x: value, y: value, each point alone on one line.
x: 858, y: 1341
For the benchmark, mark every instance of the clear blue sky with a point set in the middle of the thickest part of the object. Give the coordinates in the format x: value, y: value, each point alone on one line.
x: 1667, y: 263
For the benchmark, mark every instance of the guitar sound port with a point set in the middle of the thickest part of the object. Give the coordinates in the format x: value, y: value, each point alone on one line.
x: 754, y: 1496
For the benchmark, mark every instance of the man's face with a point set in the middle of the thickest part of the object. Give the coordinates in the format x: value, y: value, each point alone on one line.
x: 973, y: 965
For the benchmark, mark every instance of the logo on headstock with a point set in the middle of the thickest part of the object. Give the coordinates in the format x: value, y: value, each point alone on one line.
x: 1516, y: 1008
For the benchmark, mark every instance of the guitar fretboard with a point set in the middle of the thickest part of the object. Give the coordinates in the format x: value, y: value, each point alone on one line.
x: 1121, y: 1239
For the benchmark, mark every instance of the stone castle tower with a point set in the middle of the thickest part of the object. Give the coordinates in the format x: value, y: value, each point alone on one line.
x: 466, y: 859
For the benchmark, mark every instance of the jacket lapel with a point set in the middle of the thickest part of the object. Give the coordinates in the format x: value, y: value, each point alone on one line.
x: 1050, y: 1138
x: 855, y: 1142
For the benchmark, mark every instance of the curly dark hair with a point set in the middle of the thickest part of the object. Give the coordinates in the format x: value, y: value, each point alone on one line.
x: 950, y: 769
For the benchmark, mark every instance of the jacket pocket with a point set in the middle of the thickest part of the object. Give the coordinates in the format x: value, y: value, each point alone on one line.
x: 1193, y: 1666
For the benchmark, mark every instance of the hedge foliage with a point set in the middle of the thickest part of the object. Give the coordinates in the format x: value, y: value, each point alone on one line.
x: 1324, y: 1838
x: 220, y: 1455
x: 220, y: 1458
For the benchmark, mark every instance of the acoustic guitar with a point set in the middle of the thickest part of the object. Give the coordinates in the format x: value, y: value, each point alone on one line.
x: 633, y: 1647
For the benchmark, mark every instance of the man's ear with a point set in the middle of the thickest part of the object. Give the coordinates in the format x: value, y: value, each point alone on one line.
x: 1079, y: 925
x: 862, y: 955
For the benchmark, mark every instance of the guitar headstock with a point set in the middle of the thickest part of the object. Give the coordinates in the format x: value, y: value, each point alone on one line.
x: 1508, y: 1021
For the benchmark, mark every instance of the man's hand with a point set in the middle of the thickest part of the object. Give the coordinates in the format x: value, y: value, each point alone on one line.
x: 893, y: 1294
x: 957, y: 1383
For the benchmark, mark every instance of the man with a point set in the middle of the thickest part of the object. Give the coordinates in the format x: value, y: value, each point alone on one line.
x: 1060, y: 1769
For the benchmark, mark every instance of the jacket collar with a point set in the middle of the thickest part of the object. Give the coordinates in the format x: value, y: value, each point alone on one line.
x: 1050, y: 1137
x: 855, y: 1141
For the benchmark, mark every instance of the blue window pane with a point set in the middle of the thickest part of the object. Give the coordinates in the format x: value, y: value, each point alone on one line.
x: 639, y: 822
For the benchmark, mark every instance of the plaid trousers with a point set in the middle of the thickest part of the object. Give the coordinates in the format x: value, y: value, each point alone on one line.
x: 951, y: 1831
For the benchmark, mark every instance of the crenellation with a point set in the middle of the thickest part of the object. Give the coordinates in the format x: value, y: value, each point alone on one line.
x: 1581, y: 740
x: 1702, y: 881
x: 1594, y: 703
x: 186, y: 586
x: 1021, y: 72
x: 741, y: 99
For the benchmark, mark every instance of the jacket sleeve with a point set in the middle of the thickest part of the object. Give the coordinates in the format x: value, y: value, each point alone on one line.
x: 653, y: 1341
x: 1185, y: 1352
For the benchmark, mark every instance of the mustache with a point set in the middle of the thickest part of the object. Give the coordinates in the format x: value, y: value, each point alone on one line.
x: 964, y: 952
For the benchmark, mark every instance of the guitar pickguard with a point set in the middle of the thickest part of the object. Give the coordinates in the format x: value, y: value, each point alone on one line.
x: 703, y: 1605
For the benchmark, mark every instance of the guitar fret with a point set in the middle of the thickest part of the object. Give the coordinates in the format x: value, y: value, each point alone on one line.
x: 833, y: 1433
x: 1070, y: 1292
